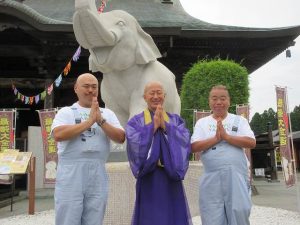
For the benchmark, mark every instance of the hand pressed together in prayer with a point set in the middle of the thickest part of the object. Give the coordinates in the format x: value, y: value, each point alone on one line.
x: 221, y: 132
x: 95, y: 115
x: 158, y: 118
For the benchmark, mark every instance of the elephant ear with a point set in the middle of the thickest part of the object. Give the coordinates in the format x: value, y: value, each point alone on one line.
x: 146, y: 50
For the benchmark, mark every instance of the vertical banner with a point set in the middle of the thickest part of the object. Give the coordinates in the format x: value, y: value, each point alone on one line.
x: 50, y: 149
x: 284, y: 141
x: 198, y: 115
x: 7, y: 136
x: 243, y: 110
x: 7, y: 139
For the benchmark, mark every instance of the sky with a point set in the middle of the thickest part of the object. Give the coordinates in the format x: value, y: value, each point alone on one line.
x: 280, y: 71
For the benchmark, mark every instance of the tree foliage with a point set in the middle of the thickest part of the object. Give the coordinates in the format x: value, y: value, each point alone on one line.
x: 295, y: 118
x: 259, y: 122
x: 204, y: 74
x: 256, y: 124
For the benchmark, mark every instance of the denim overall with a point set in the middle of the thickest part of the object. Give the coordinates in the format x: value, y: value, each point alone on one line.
x: 224, y: 187
x: 82, y: 185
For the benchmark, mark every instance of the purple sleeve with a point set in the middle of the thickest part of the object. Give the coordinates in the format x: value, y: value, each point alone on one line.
x: 142, y: 146
x: 176, y: 148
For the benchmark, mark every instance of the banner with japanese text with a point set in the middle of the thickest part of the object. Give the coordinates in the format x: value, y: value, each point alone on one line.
x: 7, y: 140
x: 50, y: 148
x: 243, y: 110
x: 7, y: 136
x: 198, y: 115
x: 284, y: 142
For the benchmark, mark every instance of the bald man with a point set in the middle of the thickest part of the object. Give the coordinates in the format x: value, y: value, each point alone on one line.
x: 83, y: 132
x: 224, y: 186
x: 158, y: 147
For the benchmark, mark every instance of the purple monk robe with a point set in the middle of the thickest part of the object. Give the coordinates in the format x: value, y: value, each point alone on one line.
x: 160, y: 196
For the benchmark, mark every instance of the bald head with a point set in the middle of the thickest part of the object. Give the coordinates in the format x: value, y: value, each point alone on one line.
x: 86, y: 76
x: 153, y: 84
x: 86, y: 87
x: 154, y: 95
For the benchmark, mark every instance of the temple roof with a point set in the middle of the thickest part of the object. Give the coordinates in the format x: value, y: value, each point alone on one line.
x: 50, y: 15
x: 38, y: 36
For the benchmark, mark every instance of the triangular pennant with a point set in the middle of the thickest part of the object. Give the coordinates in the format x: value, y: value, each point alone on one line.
x: 31, y: 100
x: 26, y: 100
x: 15, y: 90
x: 37, y: 99
x: 77, y: 54
x: 50, y: 89
x: 67, y: 68
x: 58, y: 81
x: 43, y: 95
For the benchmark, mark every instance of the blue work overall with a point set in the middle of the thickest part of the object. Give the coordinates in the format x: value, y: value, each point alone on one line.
x: 224, y: 187
x: 82, y: 185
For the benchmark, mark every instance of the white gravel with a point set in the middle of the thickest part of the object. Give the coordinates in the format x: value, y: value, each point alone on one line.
x: 267, y: 216
x: 259, y: 216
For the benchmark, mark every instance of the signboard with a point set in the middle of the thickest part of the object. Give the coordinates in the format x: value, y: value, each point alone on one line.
x: 7, y: 140
x: 284, y: 142
x: 49, y: 144
x: 14, y: 162
x: 243, y: 110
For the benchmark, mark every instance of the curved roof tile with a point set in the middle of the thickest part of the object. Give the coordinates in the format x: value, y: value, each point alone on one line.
x: 149, y: 13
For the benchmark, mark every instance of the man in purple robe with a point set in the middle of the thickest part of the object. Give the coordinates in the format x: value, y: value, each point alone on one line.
x: 158, y: 151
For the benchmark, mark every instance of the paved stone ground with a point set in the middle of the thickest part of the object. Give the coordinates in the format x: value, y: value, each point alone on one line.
x: 277, y: 195
x: 274, y: 194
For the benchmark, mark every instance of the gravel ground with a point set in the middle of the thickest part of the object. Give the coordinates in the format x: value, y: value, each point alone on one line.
x: 259, y: 216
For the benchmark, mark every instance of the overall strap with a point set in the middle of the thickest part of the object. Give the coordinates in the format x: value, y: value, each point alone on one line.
x: 76, y: 114
x: 235, y: 125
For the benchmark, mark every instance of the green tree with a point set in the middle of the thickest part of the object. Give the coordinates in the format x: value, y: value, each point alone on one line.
x: 256, y: 124
x: 204, y: 74
x: 295, y: 118
x: 259, y: 122
x: 269, y: 116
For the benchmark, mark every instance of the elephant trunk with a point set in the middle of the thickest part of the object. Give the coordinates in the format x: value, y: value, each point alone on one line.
x: 89, y: 30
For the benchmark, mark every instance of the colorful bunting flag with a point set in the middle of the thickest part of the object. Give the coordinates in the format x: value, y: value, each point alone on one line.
x: 50, y: 89
x: 37, y: 99
x: 58, y: 81
x: 67, y: 68
x: 43, y: 95
x: 77, y: 54
x: 102, y: 6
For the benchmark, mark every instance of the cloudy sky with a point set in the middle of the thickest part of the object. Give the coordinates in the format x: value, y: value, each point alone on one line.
x: 280, y: 71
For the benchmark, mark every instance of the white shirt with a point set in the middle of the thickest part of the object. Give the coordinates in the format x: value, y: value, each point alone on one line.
x: 206, y: 127
x: 65, y: 116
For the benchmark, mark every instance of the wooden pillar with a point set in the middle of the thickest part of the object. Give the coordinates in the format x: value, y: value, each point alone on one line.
x: 31, y: 192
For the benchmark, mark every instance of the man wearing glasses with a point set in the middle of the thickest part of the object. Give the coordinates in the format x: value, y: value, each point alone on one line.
x: 83, y: 132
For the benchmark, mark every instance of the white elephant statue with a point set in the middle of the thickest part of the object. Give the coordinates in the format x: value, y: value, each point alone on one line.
x: 127, y: 57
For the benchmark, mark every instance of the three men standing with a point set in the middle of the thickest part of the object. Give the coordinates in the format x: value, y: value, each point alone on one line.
x: 158, y: 147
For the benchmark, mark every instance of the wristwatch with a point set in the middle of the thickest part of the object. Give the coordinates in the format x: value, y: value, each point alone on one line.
x: 101, y: 122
